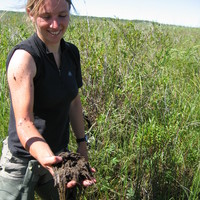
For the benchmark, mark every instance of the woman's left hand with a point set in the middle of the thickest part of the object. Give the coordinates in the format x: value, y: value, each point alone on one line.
x: 85, y: 183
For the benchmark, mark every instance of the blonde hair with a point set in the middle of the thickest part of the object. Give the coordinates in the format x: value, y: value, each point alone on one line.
x: 33, y: 6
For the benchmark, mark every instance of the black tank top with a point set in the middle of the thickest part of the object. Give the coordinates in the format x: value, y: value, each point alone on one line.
x: 54, y: 90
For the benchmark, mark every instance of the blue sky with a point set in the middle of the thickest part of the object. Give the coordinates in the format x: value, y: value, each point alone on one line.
x: 177, y: 12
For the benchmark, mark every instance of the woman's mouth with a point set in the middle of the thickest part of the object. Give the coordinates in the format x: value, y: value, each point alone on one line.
x: 54, y: 32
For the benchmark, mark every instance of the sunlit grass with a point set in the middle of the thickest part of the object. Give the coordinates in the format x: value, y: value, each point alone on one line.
x: 141, y: 93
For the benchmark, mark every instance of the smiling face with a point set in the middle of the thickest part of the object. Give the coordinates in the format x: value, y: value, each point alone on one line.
x: 52, y: 21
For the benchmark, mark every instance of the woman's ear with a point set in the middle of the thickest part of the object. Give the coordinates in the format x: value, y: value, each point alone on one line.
x: 30, y: 14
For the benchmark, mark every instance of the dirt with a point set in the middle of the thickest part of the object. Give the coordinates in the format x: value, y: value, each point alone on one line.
x: 73, y: 167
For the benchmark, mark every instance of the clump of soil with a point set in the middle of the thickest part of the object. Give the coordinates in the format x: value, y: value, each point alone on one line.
x: 73, y: 167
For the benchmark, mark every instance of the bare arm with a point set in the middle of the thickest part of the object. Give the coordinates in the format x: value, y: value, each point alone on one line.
x: 76, y: 118
x: 21, y: 72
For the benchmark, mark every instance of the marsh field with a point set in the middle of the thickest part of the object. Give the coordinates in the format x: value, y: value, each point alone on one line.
x: 141, y: 95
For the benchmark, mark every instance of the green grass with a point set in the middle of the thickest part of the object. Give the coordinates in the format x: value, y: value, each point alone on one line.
x: 141, y: 93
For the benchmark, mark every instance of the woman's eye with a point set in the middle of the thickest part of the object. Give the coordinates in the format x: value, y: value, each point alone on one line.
x: 45, y: 16
x: 63, y: 16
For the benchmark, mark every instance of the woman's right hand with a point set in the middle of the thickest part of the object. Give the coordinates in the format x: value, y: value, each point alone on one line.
x: 49, y: 161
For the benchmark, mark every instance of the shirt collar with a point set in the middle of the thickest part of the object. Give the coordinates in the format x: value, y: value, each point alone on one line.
x: 44, y: 48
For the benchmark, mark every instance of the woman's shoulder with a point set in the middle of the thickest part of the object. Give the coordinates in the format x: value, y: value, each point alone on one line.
x: 69, y: 46
x: 21, y: 63
x: 25, y: 49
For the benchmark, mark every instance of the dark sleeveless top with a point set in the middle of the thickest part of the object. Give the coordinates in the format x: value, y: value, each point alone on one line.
x: 54, y: 89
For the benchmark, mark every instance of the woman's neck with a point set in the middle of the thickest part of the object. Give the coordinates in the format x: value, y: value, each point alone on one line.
x: 56, y: 51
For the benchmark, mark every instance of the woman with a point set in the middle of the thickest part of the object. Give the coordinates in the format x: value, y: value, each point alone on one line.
x: 44, y: 76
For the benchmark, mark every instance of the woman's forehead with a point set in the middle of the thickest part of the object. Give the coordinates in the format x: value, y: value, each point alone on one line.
x: 51, y: 6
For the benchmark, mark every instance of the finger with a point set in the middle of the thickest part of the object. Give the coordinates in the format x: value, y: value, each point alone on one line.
x: 48, y: 162
x: 87, y: 183
x: 71, y: 184
x: 93, y: 169
x: 51, y: 160
x: 58, y: 159
x: 94, y: 180
x: 50, y: 170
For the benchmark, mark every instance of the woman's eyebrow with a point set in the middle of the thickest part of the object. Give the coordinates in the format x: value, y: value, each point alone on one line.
x: 50, y: 13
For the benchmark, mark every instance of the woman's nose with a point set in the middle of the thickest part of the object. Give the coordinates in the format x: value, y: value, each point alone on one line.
x: 54, y: 24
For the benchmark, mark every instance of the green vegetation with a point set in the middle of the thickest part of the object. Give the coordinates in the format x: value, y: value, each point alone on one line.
x: 142, y: 94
